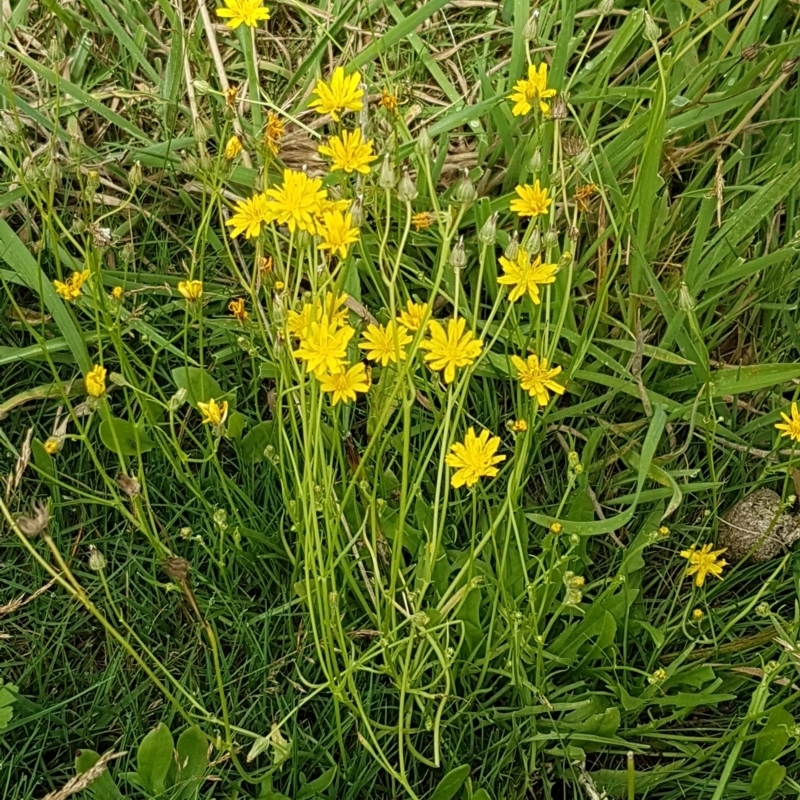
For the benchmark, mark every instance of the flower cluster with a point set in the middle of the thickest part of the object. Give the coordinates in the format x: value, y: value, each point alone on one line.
x: 70, y: 289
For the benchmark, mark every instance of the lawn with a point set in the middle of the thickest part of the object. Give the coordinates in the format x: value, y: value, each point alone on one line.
x: 383, y: 391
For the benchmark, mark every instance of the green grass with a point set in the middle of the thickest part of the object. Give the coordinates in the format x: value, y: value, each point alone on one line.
x: 389, y: 627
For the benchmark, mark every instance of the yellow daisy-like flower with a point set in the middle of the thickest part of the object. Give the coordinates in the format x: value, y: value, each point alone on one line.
x: 52, y: 445
x: 233, y: 147
x: 342, y: 94
x: 536, y: 378
x: 71, y: 288
x: 349, y: 152
x: 388, y: 101
x: 532, y: 90
x: 344, y: 384
x: 296, y: 201
x: 451, y: 350
x: 526, y: 276
x: 423, y: 219
x: 243, y: 12
x: 519, y: 426
x: 214, y: 413
x: 273, y: 133
x: 238, y: 310
x: 473, y: 459
x: 323, y: 346
x: 704, y: 562
x: 248, y: 217
x: 385, y: 343
x: 191, y: 290
x: 117, y: 293
x: 337, y: 232
x: 532, y: 200
x: 791, y: 425
x: 332, y: 305
x: 413, y: 316
x: 96, y: 381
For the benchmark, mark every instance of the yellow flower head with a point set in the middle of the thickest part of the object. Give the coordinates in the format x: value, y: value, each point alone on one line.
x: 556, y: 528
x: 233, y: 147
x: 342, y: 94
x: 532, y: 200
x: 273, y: 133
x: 413, y: 316
x: 236, y: 307
x: 388, y: 101
x: 191, y: 290
x: 452, y: 349
x: 344, y: 384
x: 519, y: 426
x: 536, y: 378
x: 526, y: 276
x: 582, y: 195
x: 424, y: 219
x: 348, y: 152
x: 791, y: 425
x: 385, y: 343
x: 214, y: 413
x: 337, y: 232
x: 698, y: 614
x: 703, y: 562
x: 248, y: 217
x: 532, y: 90
x: 331, y: 305
x: 118, y: 293
x: 52, y: 445
x: 473, y: 459
x: 96, y: 381
x: 296, y: 201
x: 243, y: 12
x: 230, y: 96
x: 323, y: 346
x: 71, y: 288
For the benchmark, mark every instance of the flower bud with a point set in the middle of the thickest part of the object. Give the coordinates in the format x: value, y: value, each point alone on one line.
x: 55, y: 52
x: 534, y: 242
x: 33, y: 173
x: 424, y: 143
x: 565, y: 260
x: 407, y: 188
x: 531, y: 30
x: 535, y: 161
x: 97, y: 561
x: 651, y: 31
x: 551, y: 237
x: 177, y: 400
x: 606, y: 7
x: 488, y: 232
x: 685, y: 300
x: 92, y: 181
x: 458, y: 255
x: 202, y: 130
x: 201, y: 87
x: 558, y: 108
x: 465, y: 192
x: 512, y: 248
x: 357, y: 211
x: 387, y: 176
x: 135, y: 175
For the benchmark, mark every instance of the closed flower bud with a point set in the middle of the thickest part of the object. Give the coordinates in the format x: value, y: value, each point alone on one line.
x: 651, y: 31
x: 357, y: 211
x: 177, y: 400
x: 55, y: 52
x: 535, y: 161
x: 551, y: 237
x: 189, y: 163
x: 606, y: 7
x: 92, y: 181
x: 202, y: 130
x: 573, y: 145
x: 458, y: 256
x: 531, y: 29
x: 512, y: 248
x: 52, y: 171
x: 387, y: 176
x: 535, y: 242
x: 407, y: 189
x: 488, y: 232
x: 572, y: 234
x: 97, y: 561
x: 424, y: 143
x: 135, y: 175
x: 558, y: 108
x: 201, y: 87
x: 685, y: 300
x: 465, y: 192
x: 33, y: 174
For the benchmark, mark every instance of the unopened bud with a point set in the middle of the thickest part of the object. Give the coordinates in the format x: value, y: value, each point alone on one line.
x: 651, y: 31
x: 177, y: 400
x: 685, y: 300
x: 512, y: 248
x: 202, y: 130
x: 458, y: 256
x: 465, y: 192
x: 357, y: 211
x: 531, y: 29
x: 565, y: 260
x: 534, y: 242
x: 55, y: 52
x: 424, y: 143
x: 97, y: 561
x: 407, y: 189
x: 52, y: 171
x: 558, y: 108
x: 135, y: 175
x: 606, y: 7
x: 387, y: 176
x: 488, y: 232
x: 92, y: 181
x: 535, y: 161
x: 551, y: 237
x: 201, y: 87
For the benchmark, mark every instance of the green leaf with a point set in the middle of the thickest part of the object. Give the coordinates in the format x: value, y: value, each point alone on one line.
x: 103, y: 787
x: 200, y: 386
x: 451, y: 783
x: 154, y: 758
x: 256, y: 441
x: 7, y: 699
x: 317, y: 786
x: 766, y: 779
x: 774, y: 735
x: 237, y: 422
x: 192, y: 752
x: 119, y: 435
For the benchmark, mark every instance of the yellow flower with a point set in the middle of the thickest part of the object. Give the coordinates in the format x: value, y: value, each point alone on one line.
x: 230, y: 96
x: 233, y: 148
x: 424, y: 219
x: 703, y: 562
x: 273, y: 133
x: 344, y: 384
x: 117, y: 293
x: 52, y: 445
x: 214, y: 413
x: 96, y: 381
x: 519, y: 426
x: 530, y: 91
x: 191, y: 290
x: 388, y: 100
x: 698, y: 614
x: 582, y: 195
x: 71, y: 288
x: 451, y: 350
x: 526, y: 276
x: 342, y: 94
x: 296, y: 201
x: 243, y: 12
x: 413, y: 316
x: 236, y: 307
x: 473, y: 459
x: 279, y: 286
x: 323, y: 346
x: 331, y: 304
x: 556, y: 528
x: 248, y: 217
x: 337, y: 232
x: 536, y: 378
x: 791, y: 425
x: 385, y: 344
x: 532, y: 201
x: 348, y: 152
